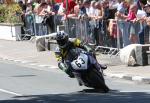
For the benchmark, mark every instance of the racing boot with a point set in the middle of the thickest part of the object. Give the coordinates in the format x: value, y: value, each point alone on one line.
x: 103, y: 66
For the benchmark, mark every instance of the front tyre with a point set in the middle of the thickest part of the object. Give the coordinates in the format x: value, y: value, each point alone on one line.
x: 96, y: 80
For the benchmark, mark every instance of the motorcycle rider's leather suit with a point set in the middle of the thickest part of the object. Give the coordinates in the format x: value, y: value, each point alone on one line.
x: 62, y: 51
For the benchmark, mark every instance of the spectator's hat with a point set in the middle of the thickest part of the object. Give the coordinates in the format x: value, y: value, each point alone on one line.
x: 148, y: 2
x: 143, y: 1
x: 29, y: 1
x: 86, y: 1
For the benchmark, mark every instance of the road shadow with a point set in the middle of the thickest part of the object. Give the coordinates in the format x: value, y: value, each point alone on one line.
x: 84, y: 97
x: 93, y: 91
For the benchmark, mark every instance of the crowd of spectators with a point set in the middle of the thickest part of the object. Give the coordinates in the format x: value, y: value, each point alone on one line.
x: 110, y: 19
x: 37, y: 16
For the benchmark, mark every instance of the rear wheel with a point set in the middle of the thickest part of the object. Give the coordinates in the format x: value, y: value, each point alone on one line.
x: 96, y: 80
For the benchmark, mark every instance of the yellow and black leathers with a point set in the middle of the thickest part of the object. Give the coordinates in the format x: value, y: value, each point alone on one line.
x: 63, y: 54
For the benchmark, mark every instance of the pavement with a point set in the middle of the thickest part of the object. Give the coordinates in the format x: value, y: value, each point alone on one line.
x: 25, y: 52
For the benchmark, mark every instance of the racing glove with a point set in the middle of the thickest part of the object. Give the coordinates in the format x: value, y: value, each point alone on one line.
x: 62, y: 66
x: 65, y: 68
x: 87, y: 48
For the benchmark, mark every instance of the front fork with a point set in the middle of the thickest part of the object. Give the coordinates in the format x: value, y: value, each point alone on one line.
x: 78, y: 77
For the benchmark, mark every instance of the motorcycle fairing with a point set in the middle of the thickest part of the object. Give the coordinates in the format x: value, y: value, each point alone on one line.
x: 81, y: 63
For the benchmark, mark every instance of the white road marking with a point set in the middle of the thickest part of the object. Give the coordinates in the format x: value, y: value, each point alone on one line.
x: 135, y: 91
x: 9, y: 92
x: 32, y: 63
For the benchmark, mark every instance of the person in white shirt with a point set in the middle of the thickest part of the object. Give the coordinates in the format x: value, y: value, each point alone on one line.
x: 40, y: 11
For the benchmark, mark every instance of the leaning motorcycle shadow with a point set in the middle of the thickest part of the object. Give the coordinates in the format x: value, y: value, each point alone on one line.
x: 91, y: 96
x: 91, y: 90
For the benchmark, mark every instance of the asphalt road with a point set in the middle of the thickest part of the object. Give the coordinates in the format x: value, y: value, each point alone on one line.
x: 25, y: 84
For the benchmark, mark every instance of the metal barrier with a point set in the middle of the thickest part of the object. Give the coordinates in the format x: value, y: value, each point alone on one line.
x: 91, y: 32
x: 109, y: 36
x: 132, y: 33
x: 79, y: 28
x: 97, y: 33
x: 32, y: 27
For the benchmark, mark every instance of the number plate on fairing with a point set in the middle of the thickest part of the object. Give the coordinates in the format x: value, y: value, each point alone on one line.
x: 80, y: 63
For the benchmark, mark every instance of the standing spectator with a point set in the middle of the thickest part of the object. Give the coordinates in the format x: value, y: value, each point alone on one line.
x: 147, y: 26
x: 28, y: 8
x: 95, y: 14
x: 105, y: 9
x: 82, y: 27
x: 122, y: 24
x: 40, y: 12
x: 23, y: 7
x: 141, y: 14
x: 92, y: 9
x: 55, y: 6
x: 64, y: 10
x: 98, y: 19
x: 147, y: 8
x: 35, y: 3
x: 61, y: 10
x: 141, y: 4
x: 112, y: 27
x: 121, y: 10
x: 49, y: 18
x: 113, y: 4
x: 87, y: 4
x: 67, y: 11
x: 92, y: 22
x: 133, y: 23
x: 104, y: 22
x: 70, y: 7
x: 79, y: 9
x: 29, y: 19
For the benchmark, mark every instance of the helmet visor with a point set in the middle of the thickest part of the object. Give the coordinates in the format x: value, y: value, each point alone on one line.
x: 61, y: 42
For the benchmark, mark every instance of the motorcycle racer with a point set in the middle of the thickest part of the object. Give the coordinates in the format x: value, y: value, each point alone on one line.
x: 62, y: 52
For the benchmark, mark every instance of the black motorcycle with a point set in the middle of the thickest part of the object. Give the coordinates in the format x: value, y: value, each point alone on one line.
x: 86, y: 69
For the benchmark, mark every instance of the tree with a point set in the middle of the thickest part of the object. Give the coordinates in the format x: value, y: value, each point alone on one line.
x: 8, y: 1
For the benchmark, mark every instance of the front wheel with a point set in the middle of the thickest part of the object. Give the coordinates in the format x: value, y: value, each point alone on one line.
x: 96, y: 80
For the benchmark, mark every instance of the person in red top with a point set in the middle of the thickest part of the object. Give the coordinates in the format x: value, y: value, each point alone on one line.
x: 132, y: 12
x: 71, y: 4
x: 134, y: 23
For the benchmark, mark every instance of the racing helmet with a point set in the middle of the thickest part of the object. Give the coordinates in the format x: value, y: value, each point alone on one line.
x: 62, y: 39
